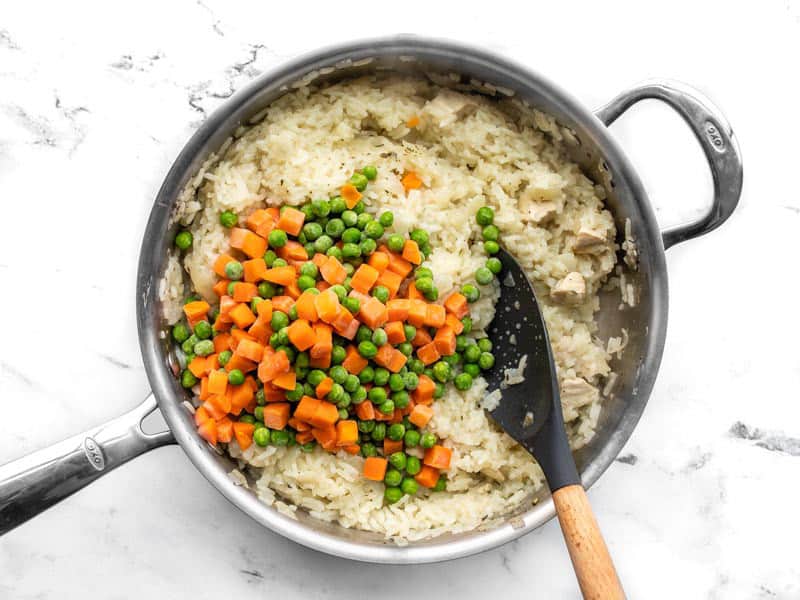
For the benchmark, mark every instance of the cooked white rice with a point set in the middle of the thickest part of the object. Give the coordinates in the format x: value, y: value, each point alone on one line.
x: 469, y: 151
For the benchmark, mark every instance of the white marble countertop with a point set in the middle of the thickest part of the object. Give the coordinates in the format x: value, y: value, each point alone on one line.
x: 97, y: 99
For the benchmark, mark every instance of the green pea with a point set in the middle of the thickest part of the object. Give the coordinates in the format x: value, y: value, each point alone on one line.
x: 416, y: 366
x: 425, y: 284
x: 398, y: 460
x: 381, y: 293
x: 235, y: 377
x: 188, y: 379
x: 350, y: 383
x: 491, y: 247
x: 441, y: 371
x: 428, y: 440
x: 247, y: 418
x: 269, y: 257
x: 305, y: 282
x: 419, y: 235
x: 411, y: 438
x: 438, y: 391
x: 338, y: 374
x: 366, y: 426
x: 308, y: 447
x: 315, y: 377
x: 296, y: 394
x: 351, y: 250
x: 486, y: 361
x: 337, y: 205
x: 393, y: 477
x: 228, y: 218
x: 386, y: 219
x: 359, y: 181
x: 351, y: 235
x: 484, y: 216
x: 368, y: 246
x: 309, y: 389
x: 377, y: 395
x: 183, y: 240
x: 395, y: 242
x: 379, y: 432
x: 463, y: 381
x: 349, y: 218
x: 231, y: 288
x: 224, y: 357
x: 472, y: 369
x: 470, y: 292
x: 381, y: 376
x: 406, y: 348
x: 491, y: 233
x: 368, y: 449
x: 203, y: 348
x: 396, y: 432
x: 279, y: 438
x: 441, y: 484
x: 452, y: 359
x: 396, y: 382
x: 467, y: 323
x: 352, y: 304
x: 485, y: 344
x: 322, y: 208
x: 392, y: 494
x: 409, y: 486
x: 335, y: 228
x: 340, y: 292
x: 261, y: 400
x: 335, y: 252
x: 234, y: 270
x: 322, y: 244
x: 279, y: 320
x: 494, y: 265
x: 288, y: 350
x: 312, y: 230
x: 192, y: 298
x: 379, y: 337
x: 401, y: 399
x: 370, y: 172
x: 363, y: 220
x: 367, y: 374
x: 300, y: 372
x: 374, y: 230
x: 309, y: 269
x: 432, y: 295
x: 484, y: 276
x: 423, y: 273
x: 426, y: 249
x: 277, y: 238
x: 180, y: 333
x: 261, y: 436
x: 337, y: 394
x: 411, y: 380
x: 359, y: 395
x: 338, y: 354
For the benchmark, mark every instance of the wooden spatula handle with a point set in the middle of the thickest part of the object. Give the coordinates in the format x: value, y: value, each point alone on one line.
x: 590, y: 558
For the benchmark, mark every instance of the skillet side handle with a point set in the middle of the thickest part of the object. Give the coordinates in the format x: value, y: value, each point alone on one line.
x: 715, y: 137
x: 593, y: 566
x: 35, y: 482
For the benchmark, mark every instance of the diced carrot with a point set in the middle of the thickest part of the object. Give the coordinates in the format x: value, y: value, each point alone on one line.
x: 425, y: 389
x: 196, y: 311
x: 243, y: 432
x: 251, y: 350
x: 373, y: 313
x: 445, y: 341
x: 411, y: 181
x: 379, y: 416
x: 198, y: 366
x: 237, y: 335
x: 218, y: 405
x: 322, y: 285
x: 299, y: 425
x: 438, y: 457
x: 412, y: 121
x: 248, y: 242
x: 391, y: 281
x: 428, y: 353
x: 292, y: 290
x: 221, y: 287
x: 224, y: 430
x: 350, y: 195
x: 399, y: 265
x: 391, y: 446
x: 353, y: 449
x: 226, y: 305
x: 365, y: 410
x: 326, y: 415
x: 319, y: 259
x: 421, y: 338
x: 204, y: 393
x: 412, y: 293
x: 332, y: 271
x: 417, y: 312
x: 217, y: 382
x: 285, y: 381
x: 411, y: 252
x: 254, y: 270
x: 276, y: 415
x: 274, y: 394
x: 272, y: 365
x: 454, y: 323
x: 323, y: 341
x: 395, y: 332
x: 398, y: 309
x: 261, y: 330
x: 427, y: 476
x: 325, y: 436
x: 378, y: 261
x: 456, y: 303
x: 364, y: 278
x: 346, y: 433
x: 305, y: 307
x: 353, y: 361
x: 301, y: 335
x: 291, y: 220
x: 201, y: 415
x: 238, y: 361
x: 281, y: 275
x: 282, y: 303
x: 361, y: 297
x: 261, y: 222
x: 327, y: 305
x: 306, y: 408
x: 434, y: 316
x: 325, y: 386
x: 375, y: 468
x: 323, y: 362
x: 292, y: 251
x: 220, y: 263
x: 303, y: 437
x: 241, y: 396
x: 242, y: 316
x: 244, y: 291
x: 390, y: 358
x: 208, y: 431
x: 420, y: 415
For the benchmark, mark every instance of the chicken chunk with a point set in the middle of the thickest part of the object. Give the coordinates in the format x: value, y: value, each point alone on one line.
x: 570, y: 290
x: 590, y: 240
x: 575, y: 393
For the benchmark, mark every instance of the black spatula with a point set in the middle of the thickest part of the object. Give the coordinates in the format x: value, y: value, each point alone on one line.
x: 530, y: 412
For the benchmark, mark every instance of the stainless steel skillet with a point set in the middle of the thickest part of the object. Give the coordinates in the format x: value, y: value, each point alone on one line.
x: 35, y: 482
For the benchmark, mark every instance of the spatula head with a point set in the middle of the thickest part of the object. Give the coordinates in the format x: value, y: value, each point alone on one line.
x: 529, y: 411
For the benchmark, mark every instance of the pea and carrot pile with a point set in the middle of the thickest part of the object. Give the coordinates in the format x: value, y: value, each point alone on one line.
x: 328, y: 333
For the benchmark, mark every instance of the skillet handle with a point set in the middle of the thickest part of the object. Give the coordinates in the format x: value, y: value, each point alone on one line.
x: 715, y: 136
x: 593, y: 566
x: 35, y: 482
